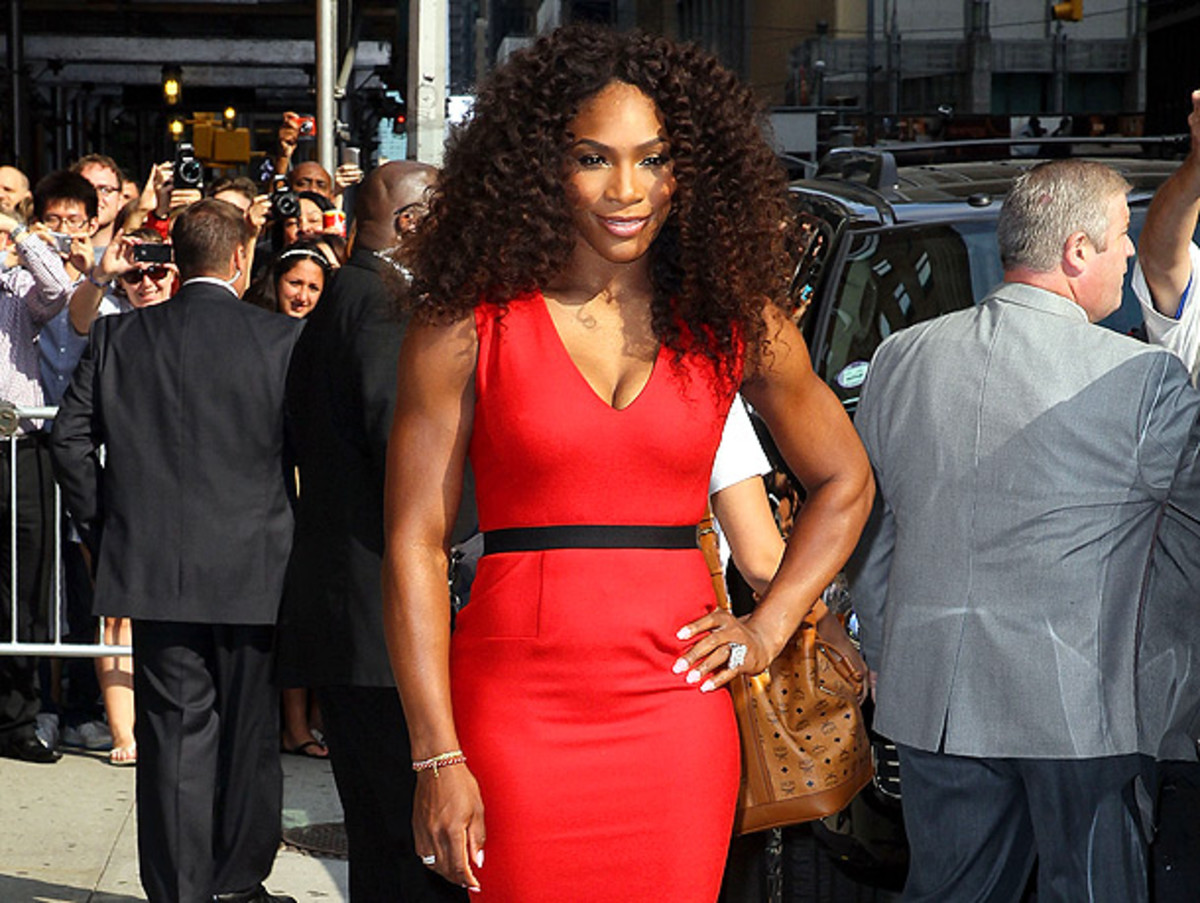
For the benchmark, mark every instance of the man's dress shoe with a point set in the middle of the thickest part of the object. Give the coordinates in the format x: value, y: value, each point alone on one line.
x: 28, y: 748
x: 256, y: 895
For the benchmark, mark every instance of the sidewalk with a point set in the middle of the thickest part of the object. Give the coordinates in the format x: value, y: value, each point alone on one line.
x: 68, y: 832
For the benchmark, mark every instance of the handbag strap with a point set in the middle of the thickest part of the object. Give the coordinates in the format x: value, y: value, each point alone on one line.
x: 706, y: 534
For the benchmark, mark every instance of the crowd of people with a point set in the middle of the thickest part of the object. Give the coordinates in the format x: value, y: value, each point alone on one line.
x: 101, y: 226
x: 272, y: 437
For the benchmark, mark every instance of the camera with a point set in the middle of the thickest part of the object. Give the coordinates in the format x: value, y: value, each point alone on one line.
x: 152, y: 253
x: 189, y: 171
x: 284, y: 201
x: 62, y: 242
x: 306, y: 126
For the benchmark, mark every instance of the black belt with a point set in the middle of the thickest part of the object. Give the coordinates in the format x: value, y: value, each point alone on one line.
x: 589, y: 536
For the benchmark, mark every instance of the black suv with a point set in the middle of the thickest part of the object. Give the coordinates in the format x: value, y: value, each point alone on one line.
x: 885, y: 246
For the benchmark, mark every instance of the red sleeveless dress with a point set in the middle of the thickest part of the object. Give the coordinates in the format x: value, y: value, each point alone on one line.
x: 604, y: 776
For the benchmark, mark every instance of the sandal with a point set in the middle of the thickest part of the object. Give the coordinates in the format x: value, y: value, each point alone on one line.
x: 306, y: 750
x: 123, y: 755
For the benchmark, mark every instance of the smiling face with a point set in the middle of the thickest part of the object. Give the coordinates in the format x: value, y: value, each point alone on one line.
x: 108, y: 190
x: 618, y: 180
x: 148, y: 285
x: 299, y: 288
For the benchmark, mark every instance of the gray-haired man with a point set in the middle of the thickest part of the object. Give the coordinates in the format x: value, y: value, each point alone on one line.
x: 1023, y: 458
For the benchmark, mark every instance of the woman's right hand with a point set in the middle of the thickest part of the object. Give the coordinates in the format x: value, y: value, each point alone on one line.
x: 448, y: 823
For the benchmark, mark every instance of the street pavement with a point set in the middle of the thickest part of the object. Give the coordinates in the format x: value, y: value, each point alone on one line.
x: 68, y: 832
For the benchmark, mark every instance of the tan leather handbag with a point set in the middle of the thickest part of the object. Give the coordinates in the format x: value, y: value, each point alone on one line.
x: 805, y: 752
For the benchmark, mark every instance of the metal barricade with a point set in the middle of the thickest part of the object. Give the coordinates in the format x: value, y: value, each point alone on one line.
x: 10, y: 418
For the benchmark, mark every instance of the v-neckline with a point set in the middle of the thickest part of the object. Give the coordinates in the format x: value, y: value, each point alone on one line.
x: 591, y: 390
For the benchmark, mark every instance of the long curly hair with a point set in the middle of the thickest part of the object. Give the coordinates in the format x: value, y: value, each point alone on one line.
x: 499, y: 222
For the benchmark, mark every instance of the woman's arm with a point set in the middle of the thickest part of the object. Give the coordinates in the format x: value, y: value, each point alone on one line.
x: 821, y: 448
x: 425, y: 460
x: 744, y: 514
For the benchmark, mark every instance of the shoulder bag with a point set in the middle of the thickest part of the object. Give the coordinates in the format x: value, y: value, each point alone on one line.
x: 805, y: 751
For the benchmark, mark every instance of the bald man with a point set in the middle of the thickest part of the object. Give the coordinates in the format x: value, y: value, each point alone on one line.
x: 14, y: 190
x: 341, y: 391
x: 311, y: 176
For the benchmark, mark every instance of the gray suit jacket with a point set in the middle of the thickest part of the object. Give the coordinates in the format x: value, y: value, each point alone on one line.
x: 1023, y: 458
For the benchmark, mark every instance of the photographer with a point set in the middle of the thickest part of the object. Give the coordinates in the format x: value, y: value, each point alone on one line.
x: 161, y: 198
x: 30, y: 295
x: 142, y: 251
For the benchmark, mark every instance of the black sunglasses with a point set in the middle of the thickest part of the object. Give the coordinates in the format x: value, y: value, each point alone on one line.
x: 133, y: 277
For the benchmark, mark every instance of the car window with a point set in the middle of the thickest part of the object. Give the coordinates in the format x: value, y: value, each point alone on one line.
x: 895, y: 277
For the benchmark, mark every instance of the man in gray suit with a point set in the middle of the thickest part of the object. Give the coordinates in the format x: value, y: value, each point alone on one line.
x: 1023, y: 458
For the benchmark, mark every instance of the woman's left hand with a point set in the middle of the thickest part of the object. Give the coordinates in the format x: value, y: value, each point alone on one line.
x: 708, y: 661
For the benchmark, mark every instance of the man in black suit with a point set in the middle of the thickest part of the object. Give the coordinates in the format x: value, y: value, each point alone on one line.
x: 341, y: 391
x: 189, y: 518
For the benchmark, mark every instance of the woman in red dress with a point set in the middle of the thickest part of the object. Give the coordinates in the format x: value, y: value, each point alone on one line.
x: 601, y: 269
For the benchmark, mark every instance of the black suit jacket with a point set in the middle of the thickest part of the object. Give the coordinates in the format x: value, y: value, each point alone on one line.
x: 190, y: 504
x: 341, y: 392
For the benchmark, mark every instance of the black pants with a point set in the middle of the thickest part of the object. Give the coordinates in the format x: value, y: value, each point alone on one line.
x: 209, y: 781
x: 975, y: 826
x: 1176, y: 849
x: 34, y: 502
x: 368, y: 748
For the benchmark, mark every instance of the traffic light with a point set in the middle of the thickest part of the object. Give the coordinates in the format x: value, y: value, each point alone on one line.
x: 172, y: 84
x: 1067, y: 11
x: 400, y: 119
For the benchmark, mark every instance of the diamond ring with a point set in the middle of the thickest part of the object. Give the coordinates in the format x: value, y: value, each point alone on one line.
x: 737, y: 655
x: 429, y: 860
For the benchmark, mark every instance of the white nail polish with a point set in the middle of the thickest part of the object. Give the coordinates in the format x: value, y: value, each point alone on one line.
x: 680, y: 666
x: 707, y: 687
x: 479, y: 859
x: 683, y: 633
x: 693, y: 677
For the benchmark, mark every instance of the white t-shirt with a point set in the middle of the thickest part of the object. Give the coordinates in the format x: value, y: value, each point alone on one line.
x: 1179, y: 334
x: 739, y: 457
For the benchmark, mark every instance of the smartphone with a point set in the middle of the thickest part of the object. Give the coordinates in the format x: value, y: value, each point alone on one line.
x: 152, y: 253
x: 350, y: 155
x: 62, y: 242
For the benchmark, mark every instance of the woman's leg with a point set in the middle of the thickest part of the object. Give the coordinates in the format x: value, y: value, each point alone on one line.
x: 115, y: 673
x: 297, y: 738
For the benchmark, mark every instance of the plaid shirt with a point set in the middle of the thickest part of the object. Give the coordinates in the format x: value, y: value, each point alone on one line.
x: 30, y: 295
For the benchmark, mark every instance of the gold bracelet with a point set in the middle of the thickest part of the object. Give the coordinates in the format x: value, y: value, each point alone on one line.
x: 446, y: 759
